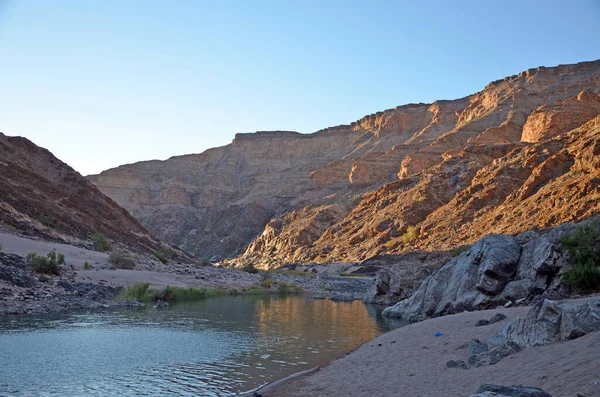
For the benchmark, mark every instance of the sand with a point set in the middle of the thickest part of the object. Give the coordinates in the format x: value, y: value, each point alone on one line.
x: 411, y: 361
x: 77, y: 256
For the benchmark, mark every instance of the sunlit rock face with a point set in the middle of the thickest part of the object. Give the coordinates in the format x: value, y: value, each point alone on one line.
x: 519, y: 154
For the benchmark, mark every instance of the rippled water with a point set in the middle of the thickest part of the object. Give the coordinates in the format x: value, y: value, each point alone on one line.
x: 213, y: 347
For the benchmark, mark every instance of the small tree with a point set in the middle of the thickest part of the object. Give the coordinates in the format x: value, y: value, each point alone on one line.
x: 101, y: 243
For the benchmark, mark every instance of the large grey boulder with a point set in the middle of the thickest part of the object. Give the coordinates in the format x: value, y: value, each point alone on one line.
x: 488, y: 390
x: 464, y: 283
x: 496, y: 258
x: 550, y: 321
x: 498, y: 270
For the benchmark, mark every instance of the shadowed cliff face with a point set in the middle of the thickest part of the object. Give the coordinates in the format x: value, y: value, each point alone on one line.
x: 42, y: 196
x: 517, y: 155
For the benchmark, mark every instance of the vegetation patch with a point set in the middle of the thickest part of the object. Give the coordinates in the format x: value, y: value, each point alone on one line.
x: 295, y: 273
x: 172, y: 294
x: 121, y: 259
x: 101, y: 243
x: 390, y: 244
x: 289, y: 288
x: 136, y: 291
x: 49, y: 264
x: 266, y: 281
x: 87, y: 266
x: 583, y: 247
x: 411, y: 235
x: 164, y: 255
x: 143, y: 292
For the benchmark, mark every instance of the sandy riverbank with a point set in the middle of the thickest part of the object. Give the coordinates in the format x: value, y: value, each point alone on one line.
x: 411, y: 361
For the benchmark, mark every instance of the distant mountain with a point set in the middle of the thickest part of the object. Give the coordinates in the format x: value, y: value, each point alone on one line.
x: 520, y: 154
x: 42, y: 196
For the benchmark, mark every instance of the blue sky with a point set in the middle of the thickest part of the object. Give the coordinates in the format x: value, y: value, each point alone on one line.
x: 106, y: 82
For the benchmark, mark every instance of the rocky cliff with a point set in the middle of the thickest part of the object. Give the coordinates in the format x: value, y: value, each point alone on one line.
x: 520, y: 154
x: 42, y: 196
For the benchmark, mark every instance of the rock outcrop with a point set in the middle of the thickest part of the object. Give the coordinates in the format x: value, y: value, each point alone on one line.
x: 24, y: 291
x: 521, y: 154
x: 496, y: 270
x: 42, y: 196
x: 488, y: 390
x: 549, y: 321
x: 400, y: 275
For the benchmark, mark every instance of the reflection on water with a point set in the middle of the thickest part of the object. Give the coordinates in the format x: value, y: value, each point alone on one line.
x: 212, y: 347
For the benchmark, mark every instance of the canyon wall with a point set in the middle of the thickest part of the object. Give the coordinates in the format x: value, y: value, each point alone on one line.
x: 520, y: 154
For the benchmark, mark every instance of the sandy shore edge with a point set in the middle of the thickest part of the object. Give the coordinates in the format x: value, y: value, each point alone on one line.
x: 411, y: 361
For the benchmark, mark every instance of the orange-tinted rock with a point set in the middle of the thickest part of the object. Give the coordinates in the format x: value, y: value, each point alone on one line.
x: 416, y: 176
x: 557, y: 118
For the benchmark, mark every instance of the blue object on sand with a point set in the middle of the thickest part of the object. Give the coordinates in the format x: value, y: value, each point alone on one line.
x: 438, y: 334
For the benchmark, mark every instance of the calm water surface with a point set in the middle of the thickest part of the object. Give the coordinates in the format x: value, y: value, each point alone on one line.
x: 213, y: 347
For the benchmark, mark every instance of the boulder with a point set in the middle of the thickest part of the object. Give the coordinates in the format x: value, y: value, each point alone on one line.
x: 401, y: 275
x: 476, y: 347
x: 464, y: 283
x: 497, y: 318
x: 382, y: 282
x: 488, y: 390
x: 161, y: 303
x: 498, y: 270
x: 550, y: 321
x: 497, y: 257
x: 457, y: 364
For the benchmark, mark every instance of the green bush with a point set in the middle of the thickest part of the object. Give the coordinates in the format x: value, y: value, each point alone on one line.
x: 136, y: 291
x: 289, y: 288
x: 586, y: 276
x: 87, y: 266
x: 164, y: 255
x: 121, y: 259
x: 411, y: 235
x: 143, y: 292
x: 43, y: 278
x: 583, y: 247
x: 250, y: 268
x: 182, y: 294
x: 49, y: 264
x: 101, y: 243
